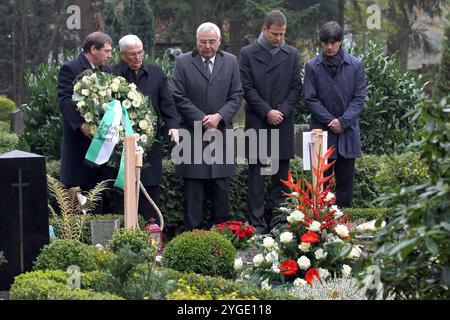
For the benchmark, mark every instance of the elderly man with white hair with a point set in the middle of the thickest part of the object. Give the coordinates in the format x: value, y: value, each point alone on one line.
x: 207, y: 91
x: 152, y: 81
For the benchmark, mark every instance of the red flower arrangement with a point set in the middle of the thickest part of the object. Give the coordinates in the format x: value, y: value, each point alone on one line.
x: 237, y: 232
x: 310, y: 237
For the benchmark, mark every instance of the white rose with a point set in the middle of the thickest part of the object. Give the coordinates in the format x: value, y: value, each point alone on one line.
x: 355, y: 253
x: 114, y: 87
x: 286, y: 237
x: 109, y: 92
x: 238, y: 264
x: 77, y: 86
x: 295, y: 216
x: 132, y: 86
x: 304, y: 246
x: 329, y: 197
x: 102, y: 93
x: 143, y: 124
x: 314, y: 227
x: 342, y: 230
x: 271, y: 257
x: 258, y: 259
x: 81, y: 104
x: 320, y: 255
x: 346, y: 271
x: 136, y: 103
x: 126, y: 104
x: 323, y: 273
x: 85, y: 92
x: 88, y: 117
x: 300, y: 282
x: 131, y: 95
x: 268, y: 242
x: 144, y: 138
x: 265, y: 285
x: 116, y: 81
x: 303, y: 262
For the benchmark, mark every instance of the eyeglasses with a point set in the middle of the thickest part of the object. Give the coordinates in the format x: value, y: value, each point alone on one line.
x: 210, y: 42
x: 136, y: 54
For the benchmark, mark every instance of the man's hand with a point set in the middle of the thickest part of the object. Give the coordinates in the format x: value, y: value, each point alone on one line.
x: 211, y: 121
x: 175, y: 137
x: 275, y: 117
x: 85, y: 130
x: 335, y: 126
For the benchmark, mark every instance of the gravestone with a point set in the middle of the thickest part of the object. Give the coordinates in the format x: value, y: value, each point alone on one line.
x: 17, y: 122
x: 102, y: 230
x: 24, y: 228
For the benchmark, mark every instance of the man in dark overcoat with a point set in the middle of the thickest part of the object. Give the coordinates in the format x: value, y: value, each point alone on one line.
x: 150, y: 80
x: 76, y: 135
x: 335, y: 93
x: 270, y: 75
x: 207, y: 91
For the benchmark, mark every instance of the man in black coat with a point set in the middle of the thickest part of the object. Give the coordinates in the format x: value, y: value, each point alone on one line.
x: 270, y: 75
x: 335, y: 92
x: 152, y: 82
x: 76, y: 135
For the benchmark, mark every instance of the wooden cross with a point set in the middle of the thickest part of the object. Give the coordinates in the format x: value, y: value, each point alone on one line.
x: 20, y: 185
x: 133, y: 160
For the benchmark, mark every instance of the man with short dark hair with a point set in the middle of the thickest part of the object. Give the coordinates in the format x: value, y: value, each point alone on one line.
x: 270, y: 75
x: 76, y: 135
x: 335, y: 92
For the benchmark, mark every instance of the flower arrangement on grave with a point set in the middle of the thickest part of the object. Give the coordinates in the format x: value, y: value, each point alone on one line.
x: 94, y: 95
x: 315, y: 243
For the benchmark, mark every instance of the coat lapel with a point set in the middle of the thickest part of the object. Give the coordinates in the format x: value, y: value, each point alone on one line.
x: 261, y: 54
x: 198, y: 62
x: 218, y: 64
x: 278, y: 59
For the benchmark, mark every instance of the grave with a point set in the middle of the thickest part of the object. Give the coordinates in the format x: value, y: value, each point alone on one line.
x: 24, y: 228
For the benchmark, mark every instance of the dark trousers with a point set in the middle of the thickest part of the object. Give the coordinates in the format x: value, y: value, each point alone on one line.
x: 194, y: 191
x: 145, y: 208
x: 256, y: 207
x: 344, y: 173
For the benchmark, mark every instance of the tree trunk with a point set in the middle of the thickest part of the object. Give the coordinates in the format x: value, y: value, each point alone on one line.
x: 341, y: 5
x: 236, y: 27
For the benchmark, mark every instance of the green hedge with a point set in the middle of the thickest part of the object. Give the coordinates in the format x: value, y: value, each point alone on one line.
x: 52, y: 285
x: 6, y: 107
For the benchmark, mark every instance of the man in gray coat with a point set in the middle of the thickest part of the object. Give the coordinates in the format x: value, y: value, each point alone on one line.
x: 207, y: 92
x: 270, y: 75
x: 335, y: 92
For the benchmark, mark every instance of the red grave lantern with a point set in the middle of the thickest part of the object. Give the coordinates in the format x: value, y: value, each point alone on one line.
x: 155, y: 232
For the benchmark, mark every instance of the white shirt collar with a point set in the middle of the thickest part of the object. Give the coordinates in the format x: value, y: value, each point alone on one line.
x: 212, y: 60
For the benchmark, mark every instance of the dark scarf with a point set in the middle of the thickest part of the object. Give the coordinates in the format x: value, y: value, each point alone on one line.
x: 268, y: 46
x: 332, y: 62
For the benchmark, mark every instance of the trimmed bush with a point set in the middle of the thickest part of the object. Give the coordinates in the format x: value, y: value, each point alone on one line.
x: 136, y: 240
x: 367, y: 214
x: 6, y: 107
x: 51, y: 285
x: 60, y: 254
x: 199, y: 251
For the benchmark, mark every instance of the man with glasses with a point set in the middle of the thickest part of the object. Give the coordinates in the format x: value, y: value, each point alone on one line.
x: 151, y: 80
x: 270, y: 74
x: 207, y: 92
x: 335, y: 92
x: 76, y: 135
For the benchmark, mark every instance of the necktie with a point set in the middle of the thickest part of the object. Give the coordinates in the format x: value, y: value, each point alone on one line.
x: 208, y: 70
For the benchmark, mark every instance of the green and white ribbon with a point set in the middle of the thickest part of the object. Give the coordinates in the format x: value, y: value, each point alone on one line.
x: 107, y: 136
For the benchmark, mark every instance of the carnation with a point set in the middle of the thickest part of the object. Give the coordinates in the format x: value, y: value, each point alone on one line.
x: 303, y: 262
x: 310, y: 237
x: 288, y: 268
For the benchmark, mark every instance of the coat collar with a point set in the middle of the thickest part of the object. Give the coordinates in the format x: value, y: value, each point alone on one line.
x: 346, y: 58
x: 123, y: 68
x: 198, y: 62
x: 85, y: 63
x: 265, y: 57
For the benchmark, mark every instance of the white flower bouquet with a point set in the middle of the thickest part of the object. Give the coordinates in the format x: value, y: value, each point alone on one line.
x: 94, y: 91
